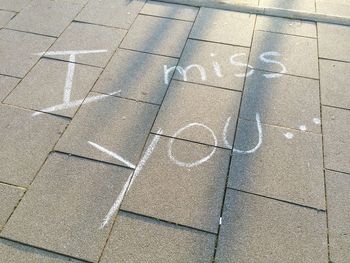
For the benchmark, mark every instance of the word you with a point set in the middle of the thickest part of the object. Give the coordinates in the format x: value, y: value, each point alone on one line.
x: 137, y: 169
x: 264, y: 57
x: 67, y: 103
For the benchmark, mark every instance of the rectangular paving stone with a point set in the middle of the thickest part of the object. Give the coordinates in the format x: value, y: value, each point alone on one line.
x: 257, y: 229
x: 45, y: 87
x: 157, y: 35
x: 331, y: 7
x: 137, y: 75
x: 18, y: 253
x: 7, y: 84
x: 14, y: 5
x: 63, y: 209
x: 5, y: 17
x: 174, y: 11
x: 334, y: 78
x: 338, y: 207
x: 336, y: 138
x: 224, y: 27
x: 81, y: 36
x: 19, y: 51
x: 333, y: 41
x: 287, y: 165
x: 286, y: 26
x: 285, y: 101
x: 213, y: 64
x: 9, y: 196
x: 25, y: 143
x: 285, y: 54
x: 46, y: 17
x: 139, y: 239
x: 116, y: 124
x: 182, y: 182
x: 199, y: 113
x: 299, y: 5
x: 113, y: 13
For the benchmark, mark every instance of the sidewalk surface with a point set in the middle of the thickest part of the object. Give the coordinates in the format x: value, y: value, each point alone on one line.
x: 135, y: 131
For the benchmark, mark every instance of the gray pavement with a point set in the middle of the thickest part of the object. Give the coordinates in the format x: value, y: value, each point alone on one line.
x: 144, y: 131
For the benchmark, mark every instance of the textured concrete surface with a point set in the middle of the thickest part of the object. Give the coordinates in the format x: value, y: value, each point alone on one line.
x: 69, y: 198
x: 156, y: 35
x: 119, y: 125
x: 187, y: 103
x: 285, y: 101
x: 333, y: 41
x: 137, y: 75
x: 224, y: 27
x: 338, y: 185
x: 300, y: 5
x: 286, y: 26
x: 256, y: 229
x: 44, y: 86
x: 139, y: 239
x: 7, y: 84
x: 10, y: 197
x: 160, y: 9
x: 213, y: 64
x: 46, y: 17
x: 282, y: 168
x: 335, y: 78
x: 5, y: 17
x: 272, y: 91
x: 19, y: 51
x: 297, y: 54
x: 25, y: 143
x: 336, y: 138
x: 188, y: 196
x: 81, y: 36
x: 112, y: 13
x: 16, y: 253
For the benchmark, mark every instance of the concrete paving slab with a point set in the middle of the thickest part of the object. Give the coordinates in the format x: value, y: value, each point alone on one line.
x: 256, y: 229
x: 81, y: 36
x: 178, y: 185
x: 285, y: 101
x: 213, y: 64
x: 7, y: 84
x: 209, y: 107
x: 300, y: 5
x: 9, y: 196
x: 224, y: 27
x: 63, y: 209
x: 18, y: 253
x: 46, y: 17
x: 139, y: 76
x: 14, y: 5
x: 45, y: 86
x: 139, y: 239
x: 174, y: 11
x: 285, y: 54
x: 333, y: 41
x: 336, y: 138
x: 286, y: 26
x: 18, y: 51
x: 338, y: 207
x: 335, y: 78
x: 5, y: 17
x: 331, y: 7
x: 119, y: 125
x: 287, y: 166
x: 157, y: 35
x: 112, y: 13
x: 25, y: 143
